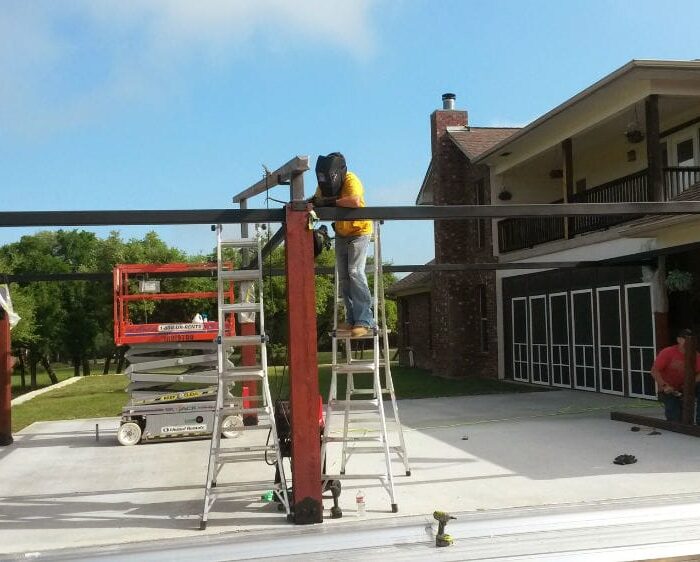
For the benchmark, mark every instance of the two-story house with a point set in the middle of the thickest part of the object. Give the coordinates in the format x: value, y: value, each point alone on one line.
x: 632, y: 136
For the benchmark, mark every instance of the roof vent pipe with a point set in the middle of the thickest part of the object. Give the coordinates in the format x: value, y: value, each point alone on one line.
x: 448, y: 101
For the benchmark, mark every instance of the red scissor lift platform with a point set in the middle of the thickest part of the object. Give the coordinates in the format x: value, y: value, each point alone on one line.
x: 128, y: 333
x: 164, y: 355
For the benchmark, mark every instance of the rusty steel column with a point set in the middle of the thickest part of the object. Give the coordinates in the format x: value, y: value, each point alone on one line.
x: 5, y: 381
x: 303, y: 366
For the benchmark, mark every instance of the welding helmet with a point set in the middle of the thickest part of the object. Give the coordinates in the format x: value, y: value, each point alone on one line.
x: 330, y: 173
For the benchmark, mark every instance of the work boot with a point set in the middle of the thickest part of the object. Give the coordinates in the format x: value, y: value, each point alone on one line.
x: 344, y: 327
x: 359, y: 331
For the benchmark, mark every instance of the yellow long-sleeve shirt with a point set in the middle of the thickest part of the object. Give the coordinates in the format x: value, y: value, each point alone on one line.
x: 352, y: 187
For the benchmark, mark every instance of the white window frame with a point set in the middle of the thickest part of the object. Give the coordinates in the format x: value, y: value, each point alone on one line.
x: 637, y: 347
x: 592, y: 346
x: 610, y: 347
x: 526, y: 344
x: 552, y: 344
x: 540, y: 346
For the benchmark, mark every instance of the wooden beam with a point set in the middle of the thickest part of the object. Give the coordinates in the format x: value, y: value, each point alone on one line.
x: 303, y: 368
x: 655, y: 171
x: 658, y: 423
x: 283, y: 175
x: 567, y: 149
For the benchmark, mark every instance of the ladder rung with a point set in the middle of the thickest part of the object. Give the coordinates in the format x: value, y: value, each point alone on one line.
x: 354, y: 368
x: 241, y: 307
x: 232, y: 411
x: 240, y: 458
x: 367, y: 391
x: 339, y: 405
x: 240, y: 243
x: 353, y: 476
x: 364, y: 439
x: 349, y: 336
x: 243, y: 374
x: 240, y: 274
x: 236, y: 341
x: 366, y: 450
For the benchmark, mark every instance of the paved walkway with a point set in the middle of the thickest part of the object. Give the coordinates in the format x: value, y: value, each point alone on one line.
x: 60, y: 488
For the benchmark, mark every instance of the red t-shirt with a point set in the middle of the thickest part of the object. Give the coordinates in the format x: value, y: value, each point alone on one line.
x: 670, y: 362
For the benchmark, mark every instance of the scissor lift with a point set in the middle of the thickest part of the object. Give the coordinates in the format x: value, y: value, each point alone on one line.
x: 172, y: 365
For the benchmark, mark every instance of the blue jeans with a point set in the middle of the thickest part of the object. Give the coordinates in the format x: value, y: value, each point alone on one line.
x: 350, y: 258
x: 673, y: 406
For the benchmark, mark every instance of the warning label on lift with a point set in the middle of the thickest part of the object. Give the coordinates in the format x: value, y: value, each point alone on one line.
x: 183, y: 428
x: 181, y: 327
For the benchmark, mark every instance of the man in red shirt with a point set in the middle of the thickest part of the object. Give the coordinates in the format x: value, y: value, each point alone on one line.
x: 669, y: 373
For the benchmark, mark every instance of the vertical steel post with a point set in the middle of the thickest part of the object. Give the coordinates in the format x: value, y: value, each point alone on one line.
x: 5, y: 380
x: 304, y: 392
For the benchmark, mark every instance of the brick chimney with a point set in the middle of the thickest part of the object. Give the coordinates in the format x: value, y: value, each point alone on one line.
x: 440, y: 119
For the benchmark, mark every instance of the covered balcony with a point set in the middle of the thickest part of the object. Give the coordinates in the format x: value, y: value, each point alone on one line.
x: 518, y: 234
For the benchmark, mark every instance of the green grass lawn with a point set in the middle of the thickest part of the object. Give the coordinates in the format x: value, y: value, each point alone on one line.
x: 104, y: 395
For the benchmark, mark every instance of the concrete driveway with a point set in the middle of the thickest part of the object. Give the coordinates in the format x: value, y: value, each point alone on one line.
x: 477, y: 456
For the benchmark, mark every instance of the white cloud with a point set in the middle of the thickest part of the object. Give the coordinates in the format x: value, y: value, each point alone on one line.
x: 63, y: 63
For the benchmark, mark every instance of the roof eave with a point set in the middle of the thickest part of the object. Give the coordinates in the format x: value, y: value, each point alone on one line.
x: 615, y: 75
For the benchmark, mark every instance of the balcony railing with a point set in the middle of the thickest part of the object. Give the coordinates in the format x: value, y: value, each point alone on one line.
x: 629, y: 189
x: 679, y: 179
x: 517, y: 233
x: 520, y: 233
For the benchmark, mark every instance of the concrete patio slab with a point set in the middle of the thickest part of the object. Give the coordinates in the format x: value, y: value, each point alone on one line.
x: 62, y: 489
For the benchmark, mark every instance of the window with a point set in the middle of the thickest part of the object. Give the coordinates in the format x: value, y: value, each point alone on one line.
x: 480, y: 223
x: 483, y: 318
x: 685, y: 155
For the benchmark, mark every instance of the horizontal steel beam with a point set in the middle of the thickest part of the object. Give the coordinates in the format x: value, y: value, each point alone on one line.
x: 141, y: 217
x: 233, y: 216
x: 80, y: 276
x: 449, y: 212
x: 281, y: 176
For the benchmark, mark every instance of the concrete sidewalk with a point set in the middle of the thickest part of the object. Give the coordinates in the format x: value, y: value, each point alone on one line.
x: 60, y: 488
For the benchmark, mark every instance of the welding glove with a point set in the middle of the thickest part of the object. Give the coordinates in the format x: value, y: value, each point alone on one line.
x: 319, y: 201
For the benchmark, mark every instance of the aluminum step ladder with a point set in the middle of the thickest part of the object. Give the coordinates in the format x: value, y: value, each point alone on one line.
x: 364, y: 429
x: 221, y: 451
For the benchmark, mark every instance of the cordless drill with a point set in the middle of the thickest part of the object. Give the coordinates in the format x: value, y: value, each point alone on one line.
x: 442, y: 538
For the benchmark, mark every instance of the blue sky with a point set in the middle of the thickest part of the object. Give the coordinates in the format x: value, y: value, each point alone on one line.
x: 178, y: 104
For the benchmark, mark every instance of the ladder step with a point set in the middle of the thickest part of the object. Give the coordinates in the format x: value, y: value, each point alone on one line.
x: 243, y: 374
x: 348, y: 336
x: 224, y: 458
x: 381, y: 477
x: 240, y: 275
x: 364, y: 439
x: 237, y: 341
x: 368, y: 391
x: 240, y: 243
x: 233, y: 411
x: 170, y: 379
x: 354, y: 368
x: 355, y: 404
x: 241, y: 307
x: 368, y: 450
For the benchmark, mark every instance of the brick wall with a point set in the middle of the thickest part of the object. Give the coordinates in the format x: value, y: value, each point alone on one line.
x: 415, y: 329
x: 457, y: 324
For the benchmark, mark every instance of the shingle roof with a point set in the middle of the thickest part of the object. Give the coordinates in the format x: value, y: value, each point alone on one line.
x: 473, y: 141
x: 416, y: 282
